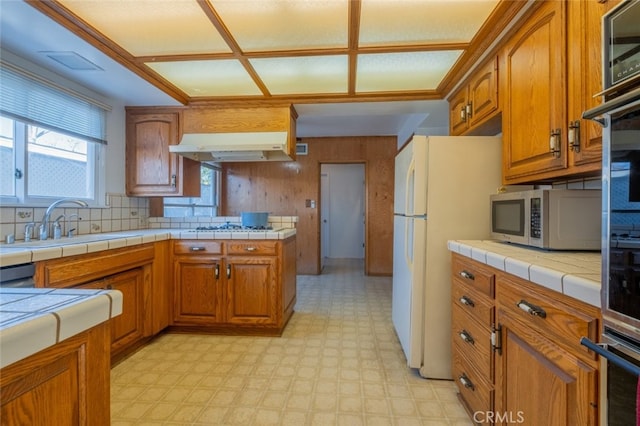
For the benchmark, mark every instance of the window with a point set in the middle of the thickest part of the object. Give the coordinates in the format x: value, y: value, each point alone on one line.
x: 206, y: 205
x: 51, y: 141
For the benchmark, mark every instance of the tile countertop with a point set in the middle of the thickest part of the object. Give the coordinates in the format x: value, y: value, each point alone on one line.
x: 574, y: 273
x: 34, y: 319
x: 14, y: 254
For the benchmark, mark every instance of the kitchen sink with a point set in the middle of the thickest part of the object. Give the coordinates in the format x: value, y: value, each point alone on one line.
x: 81, y: 239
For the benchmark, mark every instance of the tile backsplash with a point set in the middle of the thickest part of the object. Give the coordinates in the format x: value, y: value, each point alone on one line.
x: 122, y: 214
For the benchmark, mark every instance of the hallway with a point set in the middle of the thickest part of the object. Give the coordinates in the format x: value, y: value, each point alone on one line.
x: 337, y: 363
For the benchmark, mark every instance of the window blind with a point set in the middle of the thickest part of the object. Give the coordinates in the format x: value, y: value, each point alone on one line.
x: 30, y: 98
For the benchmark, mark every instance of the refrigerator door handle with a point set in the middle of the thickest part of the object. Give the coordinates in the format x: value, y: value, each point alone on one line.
x: 408, y: 201
x: 407, y: 242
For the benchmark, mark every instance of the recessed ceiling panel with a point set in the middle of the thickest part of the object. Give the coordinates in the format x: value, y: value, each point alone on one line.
x: 208, y: 78
x: 260, y: 25
x: 152, y: 27
x: 399, y: 22
x: 403, y: 71
x: 306, y: 74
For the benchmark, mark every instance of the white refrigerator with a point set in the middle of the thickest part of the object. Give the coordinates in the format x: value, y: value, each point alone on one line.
x: 442, y: 188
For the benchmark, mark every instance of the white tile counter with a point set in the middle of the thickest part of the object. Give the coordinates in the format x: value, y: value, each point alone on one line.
x: 14, y: 254
x: 34, y: 319
x: 574, y: 273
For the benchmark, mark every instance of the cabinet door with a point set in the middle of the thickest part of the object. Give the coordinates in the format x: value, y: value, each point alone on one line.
x: 128, y: 327
x: 483, y: 93
x: 251, y: 290
x: 198, y: 286
x: 585, y: 80
x: 151, y: 169
x: 538, y: 383
x: 535, y: 96
x: 458, y: 122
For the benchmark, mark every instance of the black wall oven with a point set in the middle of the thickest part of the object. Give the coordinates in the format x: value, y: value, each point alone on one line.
x: 620, y: 295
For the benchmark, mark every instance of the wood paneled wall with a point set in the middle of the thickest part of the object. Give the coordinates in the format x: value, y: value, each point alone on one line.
x: 282, y: 188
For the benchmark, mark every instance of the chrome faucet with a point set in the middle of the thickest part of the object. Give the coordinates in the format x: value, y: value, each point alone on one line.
x: 44, y: 225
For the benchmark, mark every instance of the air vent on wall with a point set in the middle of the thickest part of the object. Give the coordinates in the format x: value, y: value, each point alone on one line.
x: 302, y: 149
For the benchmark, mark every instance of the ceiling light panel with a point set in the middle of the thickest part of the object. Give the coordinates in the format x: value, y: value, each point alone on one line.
x: 390, y: 72
x: 401, y: 22
x: 306, y: 74
x: 208, y: 78
x: 152, y: 27
x: 261, y: 25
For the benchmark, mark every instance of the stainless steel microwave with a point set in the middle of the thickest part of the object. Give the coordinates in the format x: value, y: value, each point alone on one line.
x: 552, y: 219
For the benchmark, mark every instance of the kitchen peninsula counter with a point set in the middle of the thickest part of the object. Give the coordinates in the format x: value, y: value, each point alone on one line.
x: 14, y: 254
x: 574, y: 273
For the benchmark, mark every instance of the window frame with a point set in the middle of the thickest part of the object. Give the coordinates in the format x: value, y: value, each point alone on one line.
x: 217, y: 173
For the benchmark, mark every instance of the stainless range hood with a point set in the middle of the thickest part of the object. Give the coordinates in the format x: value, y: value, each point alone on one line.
x: 227, y: 147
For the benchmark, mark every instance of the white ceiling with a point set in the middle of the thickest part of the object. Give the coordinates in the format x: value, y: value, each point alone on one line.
x: 30, y: 34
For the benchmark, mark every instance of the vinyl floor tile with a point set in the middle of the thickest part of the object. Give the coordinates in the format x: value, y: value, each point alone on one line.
x: 338, y: 362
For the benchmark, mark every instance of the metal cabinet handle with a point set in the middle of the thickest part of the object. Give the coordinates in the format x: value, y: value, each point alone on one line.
x: 463, y: 114
x: 531, y: 309
x: 217, y: 271
x: 229, y: 271
x: 466, y: 301
x: 466, y: 382
x: 574, y: 136
x: 467, y: 275
x: 468, y: 109
x: 464, y: 335
x: 197, y: 248
x: 251, y: 248
x: 173, y: 181
x: 554, y: 142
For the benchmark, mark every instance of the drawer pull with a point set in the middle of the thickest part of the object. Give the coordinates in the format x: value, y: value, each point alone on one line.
x: 467, y: 275
x: 466, y: 382
x: 534, y: 310
x: 464, y: 335
x: 466, y: 301
x: 197, y: 248
x: 251, y: 249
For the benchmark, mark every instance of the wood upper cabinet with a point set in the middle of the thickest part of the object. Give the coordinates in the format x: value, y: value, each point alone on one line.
x: 553, y: 69
x: 585, y: 81
x: 151, y: 170
x: 534, y: 98
x: 476, y: 102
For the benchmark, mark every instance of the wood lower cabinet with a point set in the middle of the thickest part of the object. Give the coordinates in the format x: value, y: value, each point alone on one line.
x: 198, y: 282
x: 473, y: 316
x: 127, y: 269
x: 233, y: 285
x: 127, y: 328
x: 517, y: 357
x: 66, y: 384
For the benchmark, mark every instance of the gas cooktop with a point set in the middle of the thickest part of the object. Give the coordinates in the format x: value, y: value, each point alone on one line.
x: 232, y: 227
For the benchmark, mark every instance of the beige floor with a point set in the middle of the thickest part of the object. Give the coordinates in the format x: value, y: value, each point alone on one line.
x: 338, y: 363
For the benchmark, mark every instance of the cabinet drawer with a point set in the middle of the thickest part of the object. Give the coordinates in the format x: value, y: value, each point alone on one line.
x: 545, y: 314
x: 252, y: 247
x: 473, y: 274
x: 197, y: 247
x: 475, y: 304
x: 476, y: 392
x: 472, y: 340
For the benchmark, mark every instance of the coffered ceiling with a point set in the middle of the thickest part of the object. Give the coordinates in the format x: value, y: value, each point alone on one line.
x: 297, y: 51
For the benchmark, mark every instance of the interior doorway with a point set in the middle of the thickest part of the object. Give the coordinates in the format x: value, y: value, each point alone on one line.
x: 342, y: 211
